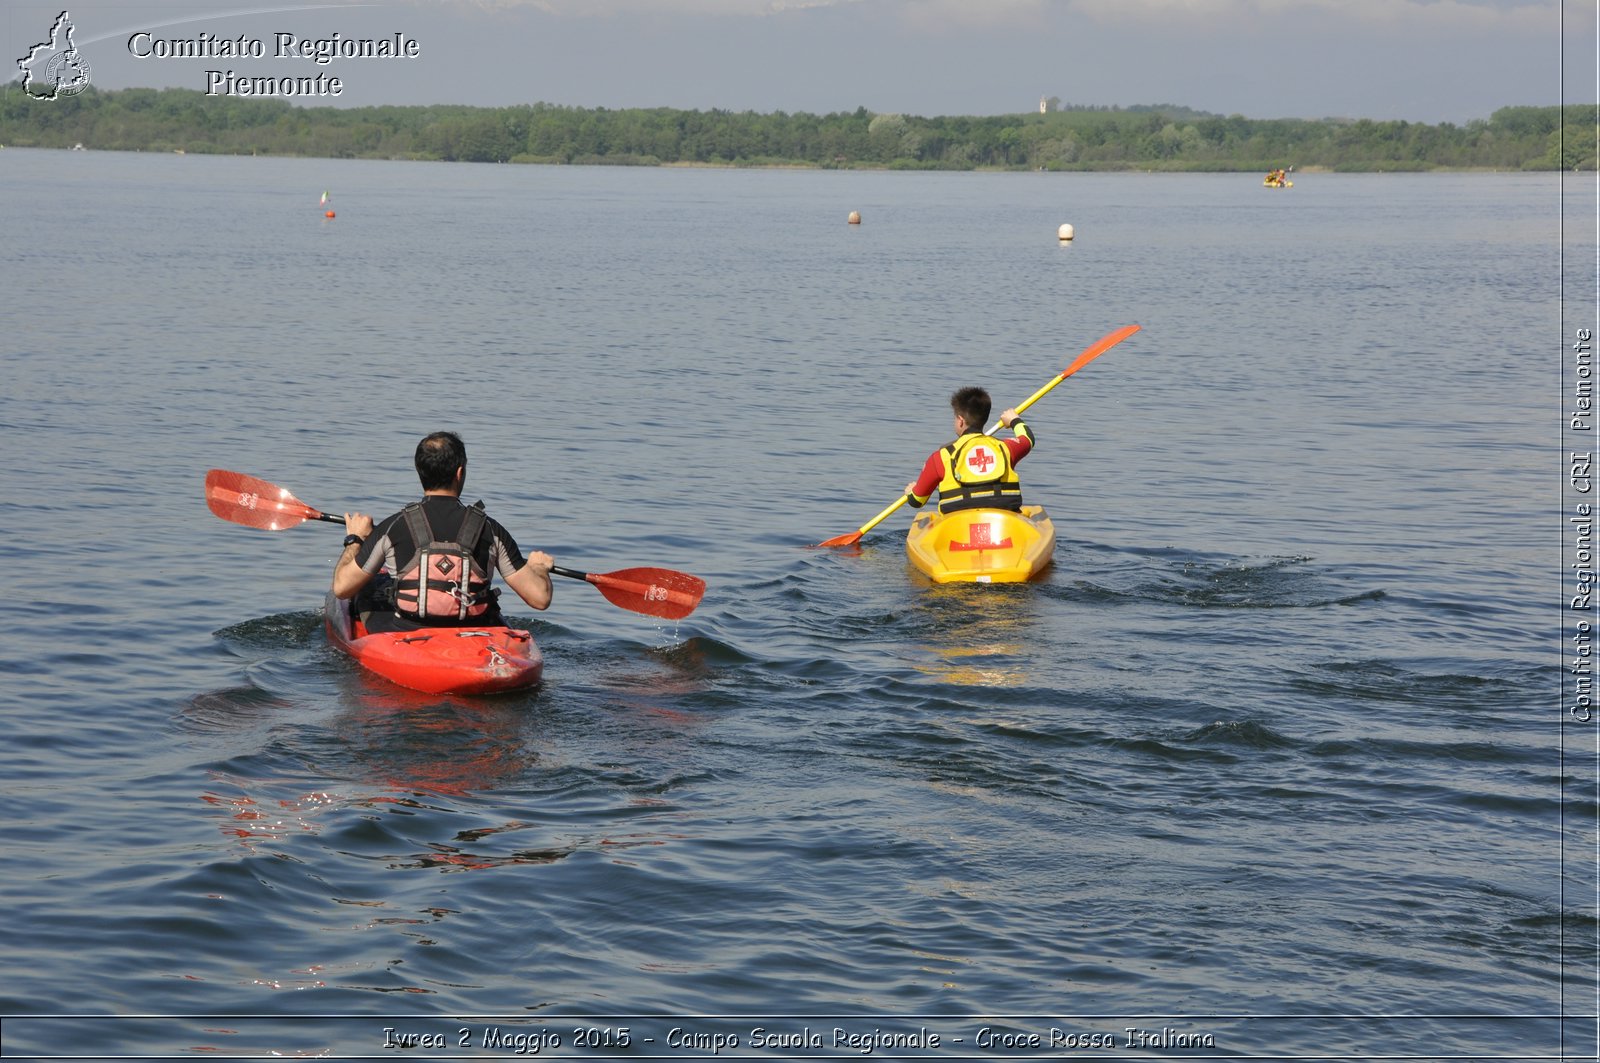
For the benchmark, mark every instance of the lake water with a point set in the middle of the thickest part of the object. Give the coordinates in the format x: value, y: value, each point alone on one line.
x: 1272, y: 762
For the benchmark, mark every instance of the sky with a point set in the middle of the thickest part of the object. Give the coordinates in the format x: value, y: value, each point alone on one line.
x: 1417, y: 60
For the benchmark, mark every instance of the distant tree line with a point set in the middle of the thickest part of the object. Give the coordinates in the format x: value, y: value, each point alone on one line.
x: 1155, y: 137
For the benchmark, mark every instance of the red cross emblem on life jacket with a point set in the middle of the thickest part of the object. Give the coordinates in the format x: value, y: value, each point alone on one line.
x: 979, y: 459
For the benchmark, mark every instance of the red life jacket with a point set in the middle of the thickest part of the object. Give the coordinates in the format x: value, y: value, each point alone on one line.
x: 443, y: 579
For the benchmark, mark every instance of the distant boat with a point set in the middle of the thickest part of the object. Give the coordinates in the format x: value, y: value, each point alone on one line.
x: 77, y: 147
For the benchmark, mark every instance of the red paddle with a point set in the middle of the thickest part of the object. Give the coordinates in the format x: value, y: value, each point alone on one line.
x: 652, y: 591
x: 255, y: 503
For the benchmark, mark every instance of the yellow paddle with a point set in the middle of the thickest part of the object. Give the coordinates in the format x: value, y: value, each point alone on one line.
x: 1104, y: 344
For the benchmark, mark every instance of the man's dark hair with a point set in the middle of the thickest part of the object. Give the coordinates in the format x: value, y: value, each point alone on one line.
x: 438, y: 457
x: 972, y: 405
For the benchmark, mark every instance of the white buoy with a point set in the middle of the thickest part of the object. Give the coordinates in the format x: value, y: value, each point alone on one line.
x: 855, y: 217
x: 1064, y: 233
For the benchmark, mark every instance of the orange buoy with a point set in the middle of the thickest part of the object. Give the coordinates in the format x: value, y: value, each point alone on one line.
x: 329, y: 214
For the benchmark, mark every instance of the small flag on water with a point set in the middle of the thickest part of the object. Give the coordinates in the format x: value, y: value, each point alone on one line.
x: 324, y: 199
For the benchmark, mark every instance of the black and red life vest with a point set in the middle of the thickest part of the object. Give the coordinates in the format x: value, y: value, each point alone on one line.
x: 443, y: 579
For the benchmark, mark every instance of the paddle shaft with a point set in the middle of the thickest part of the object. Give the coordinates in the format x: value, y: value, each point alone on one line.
x: 1029, y: 401
x: 881, y: 517
x: 1104, y: 344
x: 612, y: 586
x: 256, y: 503
x: 570, y: 573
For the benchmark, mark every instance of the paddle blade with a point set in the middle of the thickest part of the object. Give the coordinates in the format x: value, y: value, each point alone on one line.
x: 1105, y: 343
x: 255, y: 503
x: 651, y: 591
x: 854, y: 537
x: 1100, y: 346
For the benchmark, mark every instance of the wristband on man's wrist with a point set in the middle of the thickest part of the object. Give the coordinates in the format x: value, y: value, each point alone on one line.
x: 353, y: 540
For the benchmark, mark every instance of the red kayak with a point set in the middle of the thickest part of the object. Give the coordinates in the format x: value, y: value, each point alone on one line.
x: 439, y: 660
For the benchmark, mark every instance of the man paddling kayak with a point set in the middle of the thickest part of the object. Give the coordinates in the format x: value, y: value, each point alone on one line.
x: 977, y: 470
x: 440, y: 553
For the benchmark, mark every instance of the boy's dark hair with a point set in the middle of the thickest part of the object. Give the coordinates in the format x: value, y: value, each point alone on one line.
x: 438, y: 457
x: 972, y: 405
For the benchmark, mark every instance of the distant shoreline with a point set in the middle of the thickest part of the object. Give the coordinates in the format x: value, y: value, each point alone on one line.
x: 800, y: 167
x: 1163, y: 138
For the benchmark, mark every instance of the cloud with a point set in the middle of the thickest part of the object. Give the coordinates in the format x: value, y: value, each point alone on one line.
x: 1479, y: 13
x: 668, y: 8
x: 931, y: 17
x: 935, y: 16
x: 924, y: 12
x: 1541, y: 16
x: 211, y: 16
x: 945, y: 15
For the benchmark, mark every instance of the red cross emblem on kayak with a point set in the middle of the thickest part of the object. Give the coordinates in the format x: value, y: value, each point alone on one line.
x: 980, y: 458
x: 980, y: 537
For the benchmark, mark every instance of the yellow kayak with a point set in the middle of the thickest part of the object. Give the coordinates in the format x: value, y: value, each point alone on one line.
x: 982, y: 545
